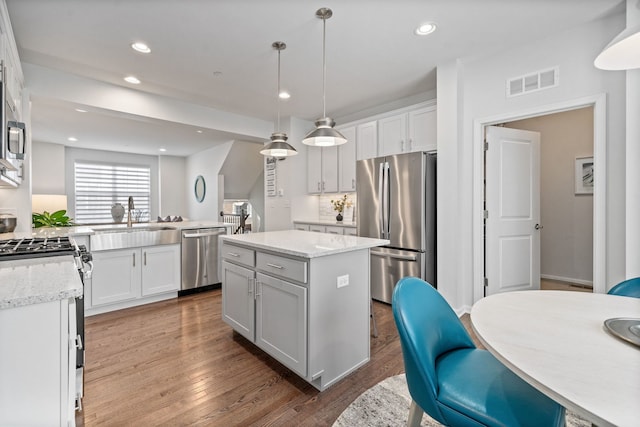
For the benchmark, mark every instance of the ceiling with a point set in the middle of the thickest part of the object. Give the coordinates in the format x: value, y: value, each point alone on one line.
x: 218, y: 54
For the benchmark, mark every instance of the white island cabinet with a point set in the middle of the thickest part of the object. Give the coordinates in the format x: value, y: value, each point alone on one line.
x: 301, y: 297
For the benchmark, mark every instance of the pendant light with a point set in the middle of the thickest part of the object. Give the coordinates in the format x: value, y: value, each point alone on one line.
x: 623, y: 53
x: 324, y: 135
x: 278, y: 147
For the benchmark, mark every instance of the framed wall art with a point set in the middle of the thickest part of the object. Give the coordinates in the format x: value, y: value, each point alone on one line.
x: 584, y: 175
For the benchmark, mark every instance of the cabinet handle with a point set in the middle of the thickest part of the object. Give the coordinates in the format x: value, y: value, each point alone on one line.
x: 402, y: 145
x: 322, y: 185
x: 279, y: 267
x: 257, y: 293
x: 233, y: 254
x: 318, y: 185
x: 409, y: 145
x: 134, y: 259
x: 251, y: 283
x: 353, y: 183
x: 78, y: 344
x: 145, y: 257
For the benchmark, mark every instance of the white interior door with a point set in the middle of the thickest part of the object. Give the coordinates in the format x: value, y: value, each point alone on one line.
x: 512, y: 195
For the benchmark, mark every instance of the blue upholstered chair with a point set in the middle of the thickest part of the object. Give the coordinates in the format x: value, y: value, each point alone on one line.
x: 628, y: 288
x: 449, y: 378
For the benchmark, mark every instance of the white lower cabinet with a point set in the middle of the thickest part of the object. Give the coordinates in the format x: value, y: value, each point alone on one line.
x: 348, y: 230
x: 238, y: 301
x: 38, y: 364
x: 281, y: 321
x: 128, y: 274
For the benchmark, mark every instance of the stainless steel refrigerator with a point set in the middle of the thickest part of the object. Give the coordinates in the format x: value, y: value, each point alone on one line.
x: 396, y: 201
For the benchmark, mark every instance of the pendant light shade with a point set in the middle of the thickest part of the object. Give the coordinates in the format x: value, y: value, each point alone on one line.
x: 324, y: 135
x: 278, y: 147
x: 623, y: 53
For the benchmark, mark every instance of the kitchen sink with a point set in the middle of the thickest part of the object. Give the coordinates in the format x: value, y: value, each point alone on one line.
x: 138, y: 236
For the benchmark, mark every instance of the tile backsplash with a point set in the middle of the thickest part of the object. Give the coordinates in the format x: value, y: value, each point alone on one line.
x: 325, y: 208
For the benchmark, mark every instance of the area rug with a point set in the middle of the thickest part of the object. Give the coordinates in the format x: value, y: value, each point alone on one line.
x: 387, y: 404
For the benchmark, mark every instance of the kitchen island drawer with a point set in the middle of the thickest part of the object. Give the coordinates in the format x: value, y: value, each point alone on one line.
x: 238, y: 255
x: 287, y: 268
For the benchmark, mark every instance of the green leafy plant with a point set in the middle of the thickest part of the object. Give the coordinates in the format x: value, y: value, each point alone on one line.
x: 56, y: 219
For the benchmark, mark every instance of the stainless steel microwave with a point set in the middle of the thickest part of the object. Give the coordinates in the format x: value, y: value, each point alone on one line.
x: 13, y: 138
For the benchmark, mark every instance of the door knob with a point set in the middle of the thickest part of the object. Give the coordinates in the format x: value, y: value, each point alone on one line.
x: 538, y: 227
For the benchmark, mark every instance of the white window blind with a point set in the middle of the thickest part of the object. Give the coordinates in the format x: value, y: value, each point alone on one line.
x: 99, y: 185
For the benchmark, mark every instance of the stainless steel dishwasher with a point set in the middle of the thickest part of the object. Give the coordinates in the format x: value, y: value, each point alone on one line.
x: 200, y: 259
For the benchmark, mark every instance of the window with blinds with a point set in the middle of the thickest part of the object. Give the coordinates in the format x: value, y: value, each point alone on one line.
x: 99, y: 185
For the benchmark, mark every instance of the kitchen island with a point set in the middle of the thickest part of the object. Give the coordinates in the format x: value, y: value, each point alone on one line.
x: 303, y: 298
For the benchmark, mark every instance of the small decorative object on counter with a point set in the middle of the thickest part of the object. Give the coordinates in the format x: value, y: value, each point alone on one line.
x: 339, y: 205
x: 117, y: 212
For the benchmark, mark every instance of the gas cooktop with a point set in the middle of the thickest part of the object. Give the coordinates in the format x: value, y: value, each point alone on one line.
x: 36, y: 247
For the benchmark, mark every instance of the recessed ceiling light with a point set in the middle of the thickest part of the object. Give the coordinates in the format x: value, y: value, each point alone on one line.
x: 133, y: 80
x: 80, y: 110
x: 72, y: 139
x: 199, y: 131
x: 284, y: 95
x: 140, y: 47
x: 425, y: 29
x: 217, y: 73
x: 163, y: 149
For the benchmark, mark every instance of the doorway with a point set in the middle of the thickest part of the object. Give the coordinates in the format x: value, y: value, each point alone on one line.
x: 597, y: 105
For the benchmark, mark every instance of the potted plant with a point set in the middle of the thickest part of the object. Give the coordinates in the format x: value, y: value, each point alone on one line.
x: 339, y: 205
x: 56, y: 219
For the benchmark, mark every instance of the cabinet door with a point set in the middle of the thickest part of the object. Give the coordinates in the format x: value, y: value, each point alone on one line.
x: 329, y: 169
x: 160, y: 269
x: 422, y: 129
x: 281, y: 321
x: 317, y: 228
x: 238, y: 303
x: 116, y: 276
x: 347, y: 161
x: 350, y: 231
x: 367, y: 137
x: 314, y: 170
x: 392, y: 135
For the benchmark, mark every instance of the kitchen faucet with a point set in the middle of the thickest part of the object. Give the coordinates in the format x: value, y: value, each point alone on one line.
x: 131, y: 207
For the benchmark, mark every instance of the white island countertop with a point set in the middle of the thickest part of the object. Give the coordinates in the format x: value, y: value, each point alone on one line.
x: 37, y: 280
x: 304, y: 244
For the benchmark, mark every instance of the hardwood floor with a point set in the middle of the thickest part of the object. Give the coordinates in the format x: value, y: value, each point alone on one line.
x: 176, y: 363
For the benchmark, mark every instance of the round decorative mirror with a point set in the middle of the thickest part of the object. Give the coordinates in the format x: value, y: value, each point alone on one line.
x: 200, y: 188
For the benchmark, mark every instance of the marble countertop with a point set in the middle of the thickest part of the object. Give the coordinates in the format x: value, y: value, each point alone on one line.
x: 87, y: 230
x: 302, y: 243
x: 38, y: 280
x: 326, y: 222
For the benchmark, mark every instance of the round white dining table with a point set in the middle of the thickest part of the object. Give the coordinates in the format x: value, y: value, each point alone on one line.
x: 556, y: 341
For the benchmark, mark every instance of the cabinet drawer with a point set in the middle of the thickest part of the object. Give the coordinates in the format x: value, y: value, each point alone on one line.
x: 238, y: 255
x: 284, y: 267
x: 334, y: 229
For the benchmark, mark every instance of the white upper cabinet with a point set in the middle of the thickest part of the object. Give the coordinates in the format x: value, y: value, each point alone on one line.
x: 422, y: 129
x: 347, y: 161
x: 322, y: 170
x: 367, y: 140
x: 392, y: 135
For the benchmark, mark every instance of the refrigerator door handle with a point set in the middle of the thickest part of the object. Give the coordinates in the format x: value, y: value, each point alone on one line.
x: 386, y: 205
x: 381, y: 198
x: 398, y: 257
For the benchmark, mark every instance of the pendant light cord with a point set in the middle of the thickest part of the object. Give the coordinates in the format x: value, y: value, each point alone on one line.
x: 278, y: 94
x: 324, y: 66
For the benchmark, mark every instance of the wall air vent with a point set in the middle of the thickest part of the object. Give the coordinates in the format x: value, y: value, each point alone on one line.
x: 533, y: 82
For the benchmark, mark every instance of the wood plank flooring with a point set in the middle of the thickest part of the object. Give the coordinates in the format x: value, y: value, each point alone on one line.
x: 176, y: 363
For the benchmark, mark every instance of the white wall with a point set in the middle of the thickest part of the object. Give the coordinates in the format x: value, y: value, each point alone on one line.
x: 208, y: 164
x: 294, y: 203
x: 173, y: 186
x: 483, y: 95
x: 48, y: 168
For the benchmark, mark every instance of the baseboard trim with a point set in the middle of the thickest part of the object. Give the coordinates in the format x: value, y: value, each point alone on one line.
x: 568, y: 280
